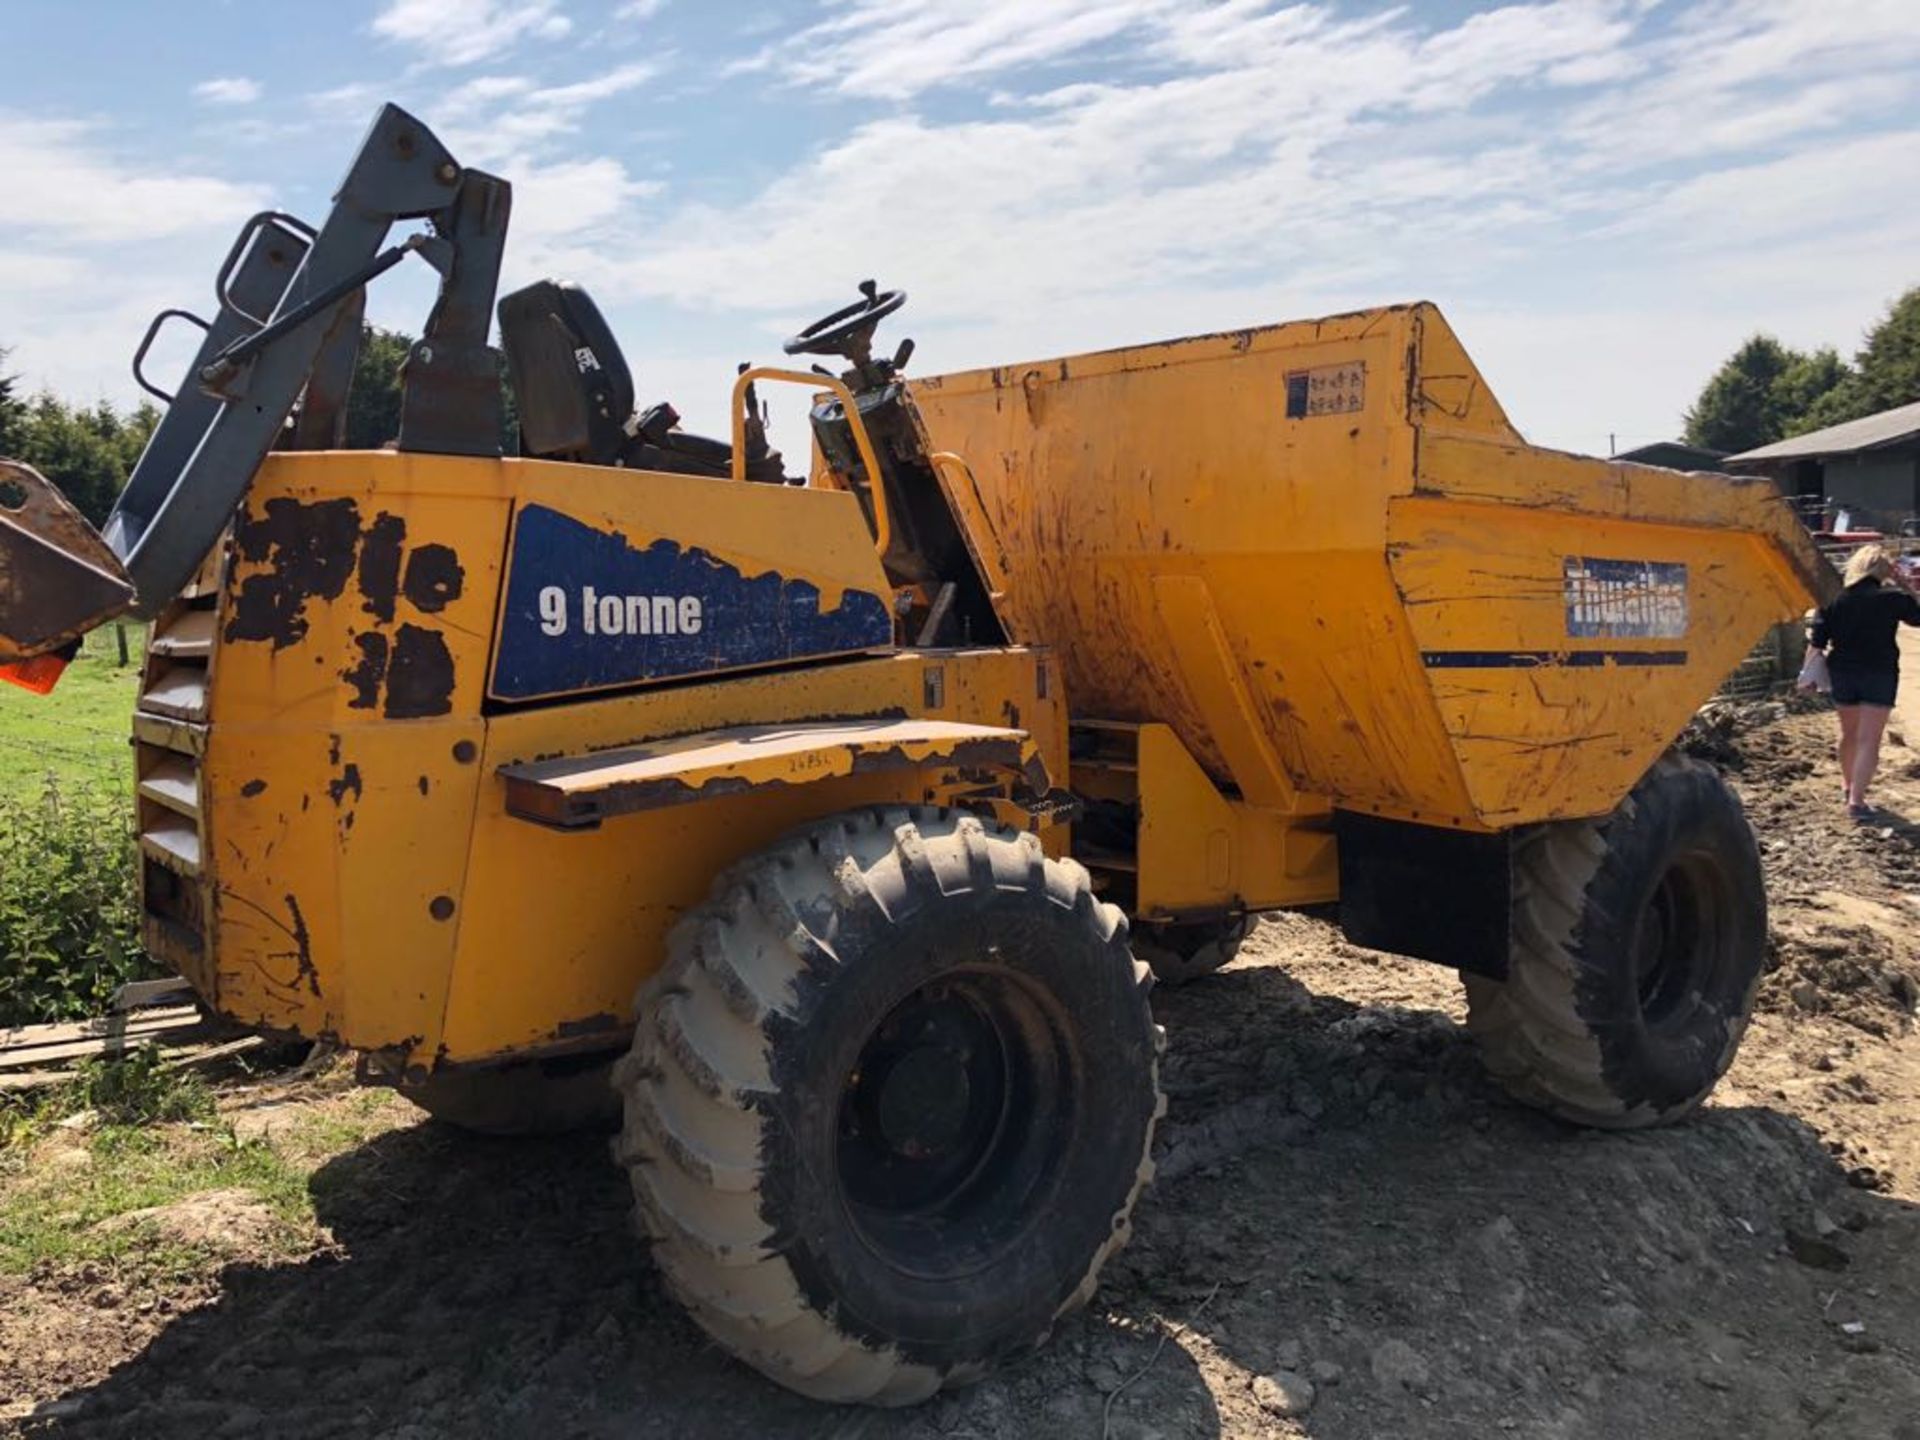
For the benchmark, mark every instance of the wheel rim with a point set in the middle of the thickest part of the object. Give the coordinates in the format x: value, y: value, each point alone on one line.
x: 1683, y: 949
x: 949, y: 1121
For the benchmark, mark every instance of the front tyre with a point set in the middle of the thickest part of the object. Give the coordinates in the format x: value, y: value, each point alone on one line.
x: 1638, y: 945
x: 890, y: 1102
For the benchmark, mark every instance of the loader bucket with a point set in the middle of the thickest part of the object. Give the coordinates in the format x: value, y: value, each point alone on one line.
x: 1322, y: 554
x: 58, y: 579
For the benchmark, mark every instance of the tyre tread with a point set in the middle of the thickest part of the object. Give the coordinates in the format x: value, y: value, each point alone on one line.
x: 690, y: 1090
x: 1532, y: 1036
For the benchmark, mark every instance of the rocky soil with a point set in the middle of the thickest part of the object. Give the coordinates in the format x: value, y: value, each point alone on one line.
x: 1353, y: 1236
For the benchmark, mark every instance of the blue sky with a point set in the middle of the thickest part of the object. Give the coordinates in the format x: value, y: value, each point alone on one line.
x: 1603, y: 195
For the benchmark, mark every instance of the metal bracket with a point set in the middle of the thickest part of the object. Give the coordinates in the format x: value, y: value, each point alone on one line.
x: 206, y: 449
x: 450, y: 400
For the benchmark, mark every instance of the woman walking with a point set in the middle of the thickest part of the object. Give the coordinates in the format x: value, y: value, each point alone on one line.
x: 1858, y: 631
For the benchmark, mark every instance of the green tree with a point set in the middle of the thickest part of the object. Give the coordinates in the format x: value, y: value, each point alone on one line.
x: 135, y: 431
x: 1808, y: 381
x: 1740, y: 407
x: 509, y: 408
x: 87, y: 453
x: 67, y: 447
x: 1886, y: 371
x: 373, y: 402
x: 1889, y: 363
x: 12, y: 411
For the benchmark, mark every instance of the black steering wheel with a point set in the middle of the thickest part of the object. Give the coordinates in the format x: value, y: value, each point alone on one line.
x: 848, y: 332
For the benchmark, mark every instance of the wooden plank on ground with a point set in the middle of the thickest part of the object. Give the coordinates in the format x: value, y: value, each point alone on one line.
x: 200, y: 1055
x: 35, y: 1045
x: 90, y: 1029
x: 172, y: 1057
x: 141, y: 994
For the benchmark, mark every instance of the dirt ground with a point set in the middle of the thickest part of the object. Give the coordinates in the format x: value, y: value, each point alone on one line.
x: 1343, y: 1200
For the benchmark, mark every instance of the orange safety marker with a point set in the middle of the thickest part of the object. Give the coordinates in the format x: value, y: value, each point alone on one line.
x: 39, y: 675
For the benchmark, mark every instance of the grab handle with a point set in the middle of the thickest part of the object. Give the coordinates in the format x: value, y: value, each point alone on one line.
x: 146, y: 344
x: 876, y: 488
x: 223, y: 282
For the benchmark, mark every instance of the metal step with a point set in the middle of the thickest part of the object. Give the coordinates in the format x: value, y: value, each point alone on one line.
x: 173, y: 782
x: 180, y: 692
x: 188, y: 635
x: 173, y: 843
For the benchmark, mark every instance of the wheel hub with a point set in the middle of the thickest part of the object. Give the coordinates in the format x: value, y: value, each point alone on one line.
x: 924, y: 1101
x: 946, y: 1122
x: 1681, y: 937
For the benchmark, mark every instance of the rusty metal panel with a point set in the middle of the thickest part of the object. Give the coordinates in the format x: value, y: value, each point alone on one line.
x: 1220, y: 534
x: 1563, y: 652
x: 584, y: 790
x: 58, y: 579
x: 561, y: 926
x: 355, y: 872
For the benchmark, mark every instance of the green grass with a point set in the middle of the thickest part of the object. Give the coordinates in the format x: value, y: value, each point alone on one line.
x: 79, y: 733
x: 69, y: 916
x: 69, y: 924
x: 57, y: 1213
x: 155, y: 1137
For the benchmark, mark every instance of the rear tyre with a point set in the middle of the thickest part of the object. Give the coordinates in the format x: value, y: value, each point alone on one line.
x: 1180, y: 952
x: 889, y: 1103
x: 531, y: 1098
x: 1638, y: 945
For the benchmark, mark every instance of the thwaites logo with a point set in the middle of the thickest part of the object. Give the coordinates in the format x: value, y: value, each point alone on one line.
x: 1625, y: 599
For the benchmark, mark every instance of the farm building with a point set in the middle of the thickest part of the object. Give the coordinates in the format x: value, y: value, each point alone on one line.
x: 1869, y: 468
x: 1676, y: 455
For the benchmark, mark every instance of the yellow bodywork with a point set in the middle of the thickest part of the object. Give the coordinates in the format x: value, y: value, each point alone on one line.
x: 316, y: 864
x: 1321, y: 556
x: 392, y: 790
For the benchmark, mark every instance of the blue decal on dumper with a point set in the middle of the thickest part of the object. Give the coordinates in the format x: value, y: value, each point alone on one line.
x: 586, y: 610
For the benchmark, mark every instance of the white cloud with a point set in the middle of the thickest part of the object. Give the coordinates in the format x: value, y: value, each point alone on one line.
x: 1809, y: 194
x: 350, y: 100
x: 465, y: 32
x: 76, y: 208
x: 640, y: 9
x: 62, y: 181
x: 1242, y: 161
x: 1216, y: 170
x: 497, y: 119
x: 561, y: 209
x: 881, y: 48
x: 600, y: 87
x: 1604, y: 194
x: 22, y: 271
x: 229, y: 90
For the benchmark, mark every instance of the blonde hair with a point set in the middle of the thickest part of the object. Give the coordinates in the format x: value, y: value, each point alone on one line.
x: 1869, y: 560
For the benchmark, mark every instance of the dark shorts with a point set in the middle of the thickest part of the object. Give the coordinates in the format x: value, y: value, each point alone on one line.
x: 1864, y: 687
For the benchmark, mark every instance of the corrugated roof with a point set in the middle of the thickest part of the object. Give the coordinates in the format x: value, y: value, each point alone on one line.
x: 1867, y: 433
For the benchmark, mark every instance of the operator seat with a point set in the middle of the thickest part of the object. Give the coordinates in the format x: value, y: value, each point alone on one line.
x: 570, y: 380
x: 575, y: 395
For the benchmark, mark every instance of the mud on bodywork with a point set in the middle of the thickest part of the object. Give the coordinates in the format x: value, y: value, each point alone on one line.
x: 293, y: 552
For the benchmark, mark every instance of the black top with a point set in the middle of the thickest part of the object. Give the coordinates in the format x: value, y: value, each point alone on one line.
x: 1859, y: 626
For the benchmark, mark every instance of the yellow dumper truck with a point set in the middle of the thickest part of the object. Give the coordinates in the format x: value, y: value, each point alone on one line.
x: 832, y: 827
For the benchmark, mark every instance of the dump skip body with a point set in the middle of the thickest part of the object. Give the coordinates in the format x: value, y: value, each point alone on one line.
x: 1324, y: 556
